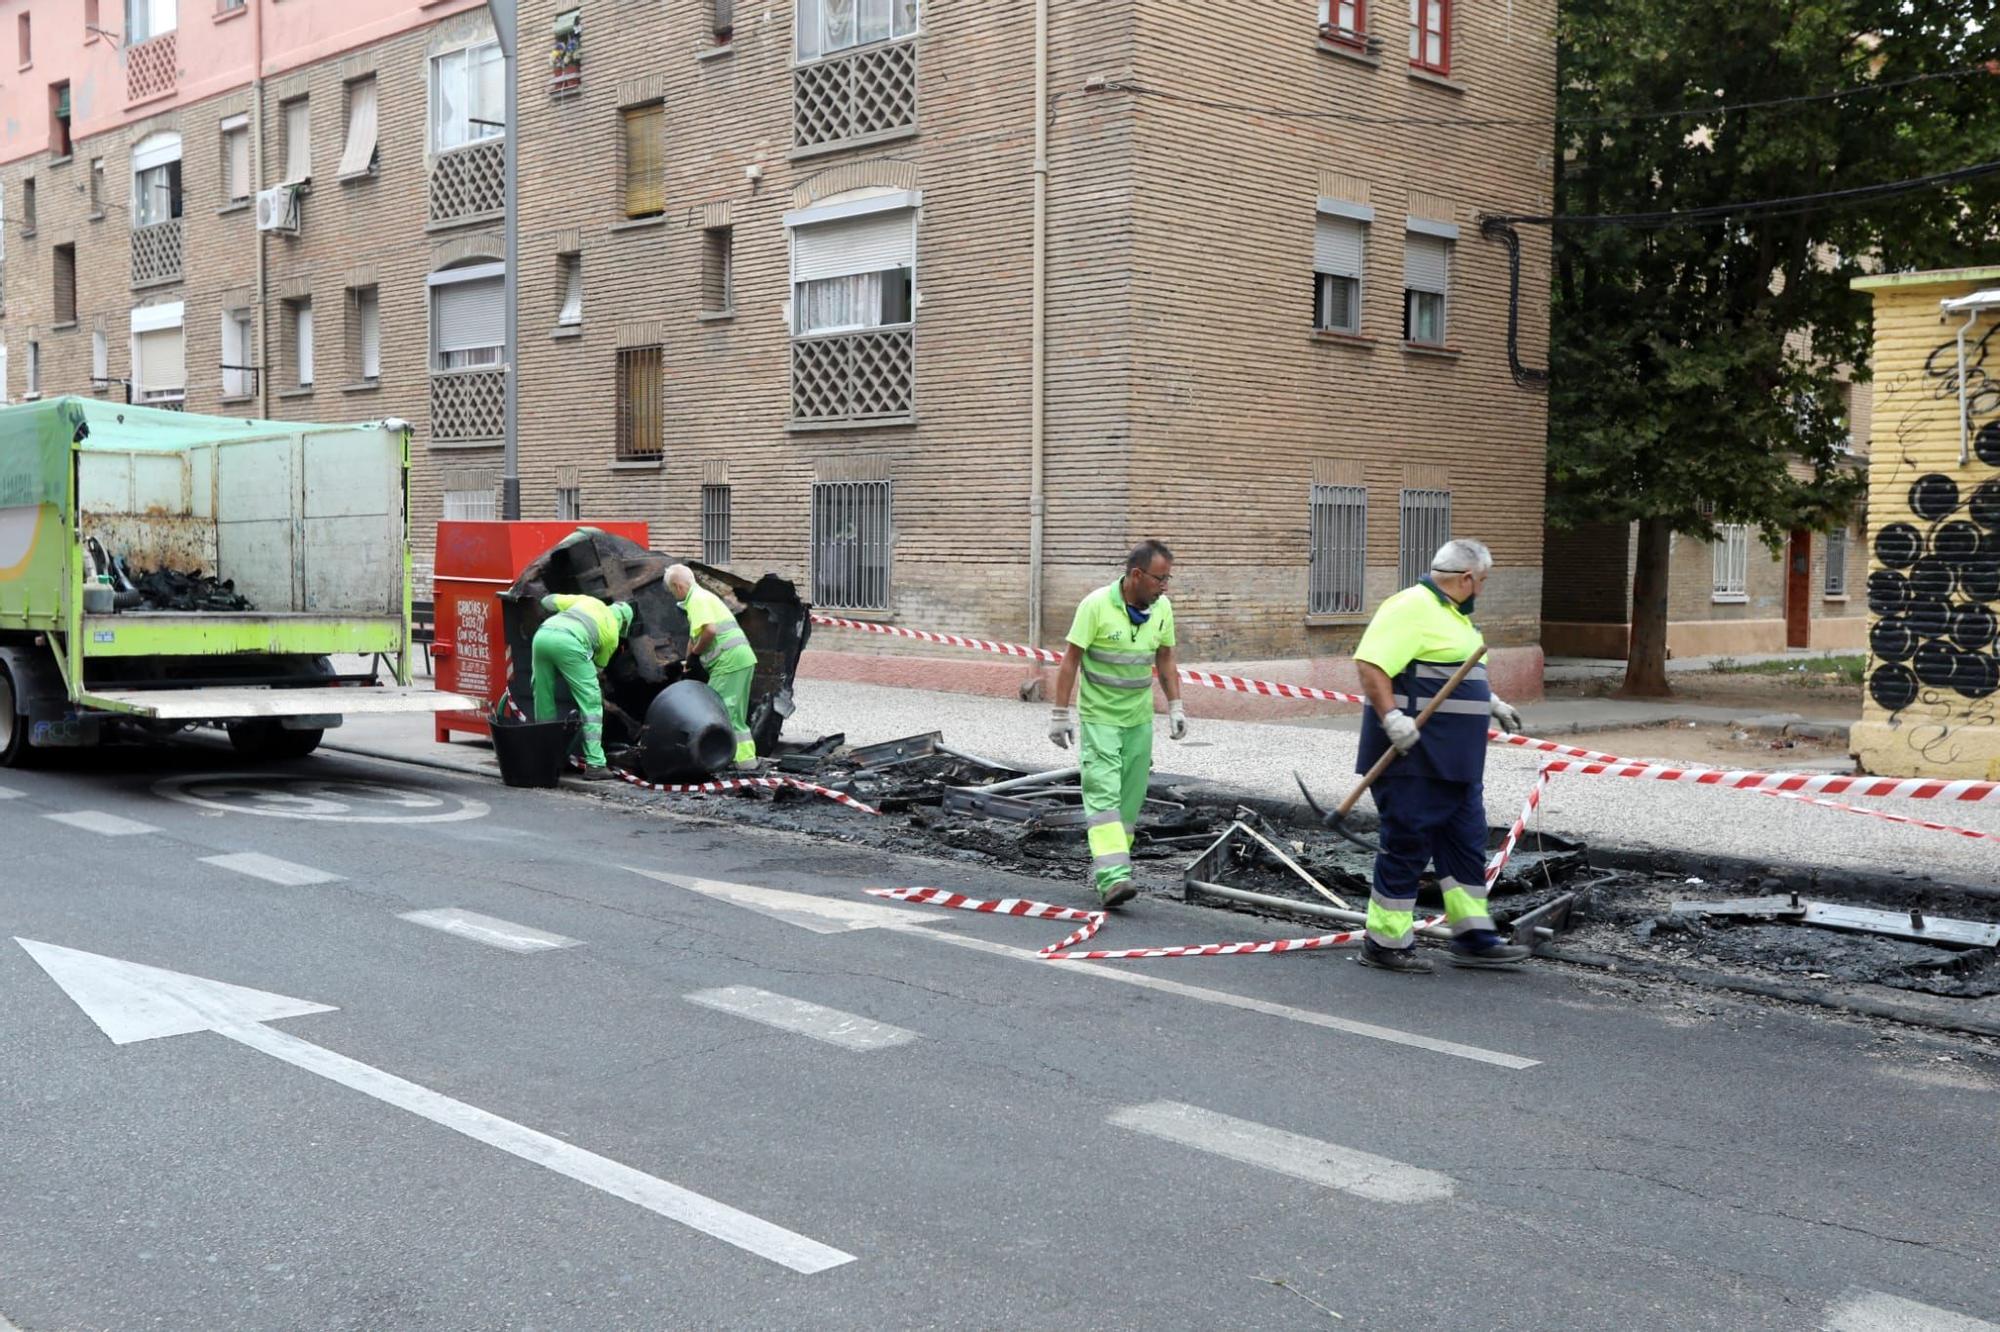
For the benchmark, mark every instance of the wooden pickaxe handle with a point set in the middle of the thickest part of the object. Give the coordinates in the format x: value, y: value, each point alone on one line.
x: 1382, y: 764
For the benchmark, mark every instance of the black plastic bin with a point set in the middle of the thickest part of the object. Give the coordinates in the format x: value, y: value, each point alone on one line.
x: 533, y: 753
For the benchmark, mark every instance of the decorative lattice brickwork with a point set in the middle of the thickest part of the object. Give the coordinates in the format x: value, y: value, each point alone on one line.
x: 469, y: 182
x: 854, y: 376
x: 852, y: 97
x: 468, y: 404
x: 151, y: 68
x: 156, y: 253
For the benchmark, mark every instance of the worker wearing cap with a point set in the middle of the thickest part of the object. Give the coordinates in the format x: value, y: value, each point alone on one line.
x: 1431, y: 799
x: 576, y: 642
x: 1122, y: 635
x: 717, y: 641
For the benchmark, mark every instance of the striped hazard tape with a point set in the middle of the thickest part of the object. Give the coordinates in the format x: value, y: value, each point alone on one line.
x: 1093, y: 921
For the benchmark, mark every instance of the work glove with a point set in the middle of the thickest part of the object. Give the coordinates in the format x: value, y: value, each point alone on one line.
x: 1062, y: 727
x: 1506, y: 716
x: 1401, y: 730
x: 1176, y: 721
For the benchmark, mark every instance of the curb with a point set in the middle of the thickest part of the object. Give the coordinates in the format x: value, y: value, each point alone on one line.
x: 385, y: 756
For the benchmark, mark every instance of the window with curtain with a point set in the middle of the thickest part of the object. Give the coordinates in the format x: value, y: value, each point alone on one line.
x: 854, y: 273
x: 298, y: 140
x: 357, y: 156
x: 645, y: 159
x: 468, y: 96
x: 156, y: 180
x: 571, y: 312
x: 826, y: 27
x: 641, y: 426
x: 468, y: 317
x: 1426, y: 274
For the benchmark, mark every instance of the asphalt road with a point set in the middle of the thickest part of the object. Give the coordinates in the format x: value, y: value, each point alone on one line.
x: 874, y: 1115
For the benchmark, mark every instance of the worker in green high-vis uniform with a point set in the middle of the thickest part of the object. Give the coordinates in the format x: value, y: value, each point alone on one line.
x: 717, y: 641
x: 576, y: 642
x: 1123, y: 635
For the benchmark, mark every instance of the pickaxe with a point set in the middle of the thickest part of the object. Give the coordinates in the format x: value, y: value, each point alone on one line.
x: 1337, y: 820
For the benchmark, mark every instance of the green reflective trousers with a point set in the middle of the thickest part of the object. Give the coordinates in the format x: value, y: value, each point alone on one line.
x: 1116, y: 762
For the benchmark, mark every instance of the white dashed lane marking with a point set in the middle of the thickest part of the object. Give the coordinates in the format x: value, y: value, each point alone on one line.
x: 489, y: 930
x: 270, y: 869
x: 97, y: 821
x: 1872, y: 1311
x: 1360, y: 1173
x: 806, y: 1019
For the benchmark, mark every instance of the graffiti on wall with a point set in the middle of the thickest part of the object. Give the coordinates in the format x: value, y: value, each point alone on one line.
x: 1936, y: 592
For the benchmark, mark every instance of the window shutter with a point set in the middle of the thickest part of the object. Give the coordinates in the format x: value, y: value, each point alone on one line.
x: 162, y: 360
x: 239, y: 163
x: 866, y: 244
x: 360, y: 151
x: 725, y: 15
x: 1426, y: 260
x: 368, y: 322
x: 645, y: 172
x: 1337, y: 247
x: 471, y: 314
x: 572, y: 306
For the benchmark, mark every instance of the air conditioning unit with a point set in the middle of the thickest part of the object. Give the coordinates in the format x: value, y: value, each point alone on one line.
x: 278, y: 209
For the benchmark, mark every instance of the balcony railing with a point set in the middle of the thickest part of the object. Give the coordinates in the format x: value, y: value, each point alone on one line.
x: 854, y: 376
x: 469, y: 183
x: 156, y: 253
x: 468, y: 405
x: 859, y: 96
x: 151, y: 68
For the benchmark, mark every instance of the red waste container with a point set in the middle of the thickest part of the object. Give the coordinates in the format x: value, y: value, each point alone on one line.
x: 476, y: 561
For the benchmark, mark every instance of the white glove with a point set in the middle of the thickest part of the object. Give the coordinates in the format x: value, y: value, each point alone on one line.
x: 1401, y: 730
x: 1504, y: 713
x: 1176, y: 721
x: 1062, y: 727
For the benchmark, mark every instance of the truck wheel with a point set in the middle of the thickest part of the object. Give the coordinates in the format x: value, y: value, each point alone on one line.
x: 14, y: 749
x: 265, y: 740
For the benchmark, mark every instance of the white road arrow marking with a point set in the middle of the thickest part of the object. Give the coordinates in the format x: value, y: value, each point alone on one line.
x: 132, y: 1002
x: 834, y: 915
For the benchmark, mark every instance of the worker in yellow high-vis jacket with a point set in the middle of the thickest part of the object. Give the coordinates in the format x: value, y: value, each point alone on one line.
x: 1121, y: 637
x: 576, y: 642
x: 718, y: 643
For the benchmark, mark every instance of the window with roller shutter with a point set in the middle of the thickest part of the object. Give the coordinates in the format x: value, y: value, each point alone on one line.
x: 854, y: 308
x: 1426, y: 279
x: 468, y: 317
x: 1340, y: 248
x: 159, y: 355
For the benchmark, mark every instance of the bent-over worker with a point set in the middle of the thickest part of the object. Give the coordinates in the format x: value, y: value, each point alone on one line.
x: 717, y: 641
x: 1122, y: 635
x: 1432, y: 798
x: 576, y: 642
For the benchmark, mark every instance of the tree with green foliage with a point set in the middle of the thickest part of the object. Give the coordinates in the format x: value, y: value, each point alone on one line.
x: 1692, y: 359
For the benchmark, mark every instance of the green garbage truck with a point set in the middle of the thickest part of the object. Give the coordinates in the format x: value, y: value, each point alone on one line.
x: 161, y: 571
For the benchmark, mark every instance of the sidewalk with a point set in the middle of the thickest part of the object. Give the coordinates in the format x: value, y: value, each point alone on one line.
x: 1260, y: 757
x: 1559, y: 670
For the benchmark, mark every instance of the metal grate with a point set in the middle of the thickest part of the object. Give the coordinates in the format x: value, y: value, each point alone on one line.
x: 1337, y: 570
x: 854, y: 376
x: 151, y: 68
x: 569, y: 504
x: 1836, y: 563
x: 715, y: 526
x: 1732, y: 563
x: 853, y: 533
x: 469, y: 182
x: 156, y: 253
x: 852, y: 97
x: 640, y: 431
x: 1426, y: 525
x: 468, y: 404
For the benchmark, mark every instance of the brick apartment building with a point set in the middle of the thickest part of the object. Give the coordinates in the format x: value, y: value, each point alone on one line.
x: 778, y: 280
x: 1731, y: 597
x: 248, y: 208
x: 778, y: 298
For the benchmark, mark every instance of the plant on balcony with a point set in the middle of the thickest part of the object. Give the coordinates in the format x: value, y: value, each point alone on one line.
x: 566, y: 59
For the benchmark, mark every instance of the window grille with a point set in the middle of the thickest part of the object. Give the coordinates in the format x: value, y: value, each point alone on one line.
x: 853, y: 533
x: 1337, y: 568
x: 1426, y: 525
x: 1732, y: 563
x: 715, y: 526
x: 640, y: 430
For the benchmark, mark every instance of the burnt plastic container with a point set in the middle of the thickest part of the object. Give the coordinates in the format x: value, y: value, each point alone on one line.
x: 688, y: 737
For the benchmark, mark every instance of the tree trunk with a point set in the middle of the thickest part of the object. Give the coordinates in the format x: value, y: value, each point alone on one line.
x: 1646, y: 657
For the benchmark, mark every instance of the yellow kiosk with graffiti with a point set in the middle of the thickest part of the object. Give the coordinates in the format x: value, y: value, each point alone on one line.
x: 1932, y: 707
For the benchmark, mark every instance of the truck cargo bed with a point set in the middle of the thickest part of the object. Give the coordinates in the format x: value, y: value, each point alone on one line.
x: 223, y: 703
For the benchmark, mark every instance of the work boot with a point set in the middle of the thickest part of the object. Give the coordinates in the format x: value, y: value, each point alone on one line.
x: 1405, y: 960
x: 599, y: 774
x: 1482, y: 948
x: 1117, y: 895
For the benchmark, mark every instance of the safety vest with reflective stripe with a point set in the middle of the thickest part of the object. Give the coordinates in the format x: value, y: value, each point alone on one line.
x: 730, y: 650
x: 1419, y: 638
x: 598, y: 624
x: 1118, y: 657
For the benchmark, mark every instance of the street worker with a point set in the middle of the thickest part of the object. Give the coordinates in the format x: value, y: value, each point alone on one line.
x: 576, y: 642
x: 1123, y: 634
x: 1431, y: 799
x: 717, y: 641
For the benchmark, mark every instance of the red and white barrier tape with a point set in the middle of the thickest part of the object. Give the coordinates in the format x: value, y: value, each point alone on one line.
x: 1093, y: 921
x: 745, y: 783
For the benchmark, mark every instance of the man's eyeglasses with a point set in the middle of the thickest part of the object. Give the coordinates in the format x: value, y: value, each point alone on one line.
x: 1161, y: 579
